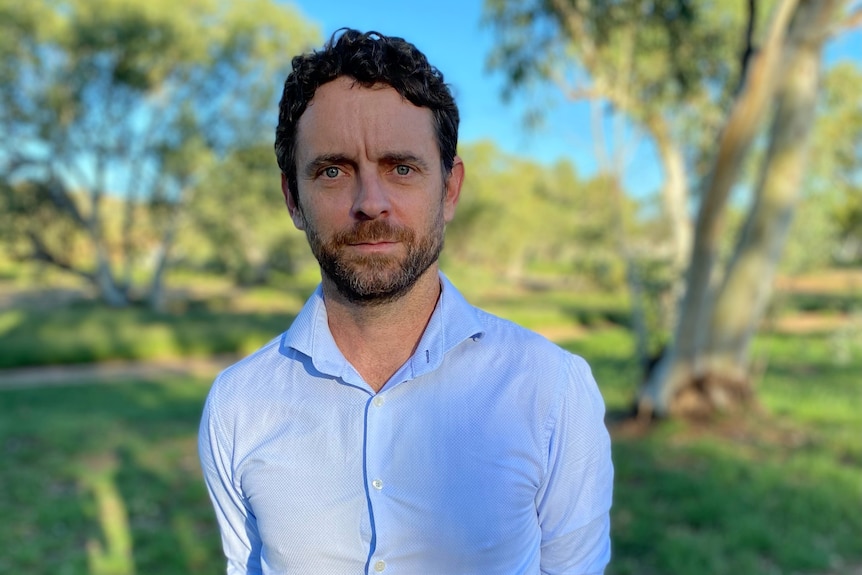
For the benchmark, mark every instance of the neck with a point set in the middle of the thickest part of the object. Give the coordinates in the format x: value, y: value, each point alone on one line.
x: 378, y: 339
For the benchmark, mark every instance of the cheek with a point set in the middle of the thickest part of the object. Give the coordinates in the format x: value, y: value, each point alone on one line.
x: 298, y: 219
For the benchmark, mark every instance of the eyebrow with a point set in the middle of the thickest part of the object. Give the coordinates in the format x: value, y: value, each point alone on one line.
x: 392, y: 158
x: 316, y: 164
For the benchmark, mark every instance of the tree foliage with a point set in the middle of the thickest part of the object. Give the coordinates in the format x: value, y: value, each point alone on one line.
x: 239, y: 211
x: 518, y: 215
x: 127, y: 105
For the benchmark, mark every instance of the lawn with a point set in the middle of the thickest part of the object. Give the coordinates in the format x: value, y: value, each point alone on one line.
x: 103, y: 479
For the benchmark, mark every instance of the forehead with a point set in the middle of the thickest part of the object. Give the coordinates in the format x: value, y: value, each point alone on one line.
x: 345, y: 117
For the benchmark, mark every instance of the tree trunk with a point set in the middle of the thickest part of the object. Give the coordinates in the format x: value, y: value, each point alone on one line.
x: 747, y: 287
x: 106, y: 284
x: 157, y: 298
x: 674, y: 192
x: 675, y: 203
x: 679, y: 368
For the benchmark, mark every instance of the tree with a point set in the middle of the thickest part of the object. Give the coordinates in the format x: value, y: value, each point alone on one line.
x: 256, y: 237
x: 666, y: 56
x: 667, y: 66
x: 515, y: 214
x: 831, y: 230
x: 126, y: 105
x: 706, y: 366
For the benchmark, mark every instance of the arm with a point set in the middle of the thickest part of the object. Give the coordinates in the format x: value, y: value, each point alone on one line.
x: 237, y: 523
x: 574, y: 501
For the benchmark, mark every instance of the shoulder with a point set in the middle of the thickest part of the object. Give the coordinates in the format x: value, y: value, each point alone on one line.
x: 514, y: 349
x: 520, y: 341
x: 245, y: 380
x: 563, y: 373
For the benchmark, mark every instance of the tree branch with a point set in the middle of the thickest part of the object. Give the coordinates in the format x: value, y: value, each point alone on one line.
x: 749, y: 50
x: 63, y: 201
x: 43, y: 254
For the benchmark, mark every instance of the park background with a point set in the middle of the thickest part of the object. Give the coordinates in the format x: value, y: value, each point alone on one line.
x: 713, y: 282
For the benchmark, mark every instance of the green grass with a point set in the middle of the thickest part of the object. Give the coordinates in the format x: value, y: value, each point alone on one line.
x: 86, y: 331
x: 228, y: 322
x: 86, y: 468
x: 90, y: 333
x: 778, y: 490
x: 103, y: 479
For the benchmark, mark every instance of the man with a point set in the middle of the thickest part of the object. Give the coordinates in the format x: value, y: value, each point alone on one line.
x: 394, y: 428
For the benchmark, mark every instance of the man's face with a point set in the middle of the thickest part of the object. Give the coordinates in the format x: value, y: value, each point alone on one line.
x: 373, y: 200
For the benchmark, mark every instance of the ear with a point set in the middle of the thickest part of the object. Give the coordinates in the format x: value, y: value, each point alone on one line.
x: 452, y: 191
x: 292, y: 207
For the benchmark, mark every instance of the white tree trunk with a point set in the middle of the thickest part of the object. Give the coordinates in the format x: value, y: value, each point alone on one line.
x: 747, y: 287
x: 679, y: 365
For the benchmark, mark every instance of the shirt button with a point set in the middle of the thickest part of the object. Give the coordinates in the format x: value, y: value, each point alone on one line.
x: 377, y: 484
x: 380, y: 566
x: 378, y: 401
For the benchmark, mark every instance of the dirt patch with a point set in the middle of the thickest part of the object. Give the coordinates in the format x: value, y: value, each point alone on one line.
x: 810, y: 322
x: 830, y: 281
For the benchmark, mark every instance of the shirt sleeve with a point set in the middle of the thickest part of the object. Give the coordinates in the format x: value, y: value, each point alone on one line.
x: 574, y: 501
x: 237, y: 523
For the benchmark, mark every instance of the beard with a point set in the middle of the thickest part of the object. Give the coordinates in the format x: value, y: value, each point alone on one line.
x: 374, y: 279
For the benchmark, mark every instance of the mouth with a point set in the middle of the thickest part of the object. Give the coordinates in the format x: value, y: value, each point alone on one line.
x: 373, y: 242
x: 374, y: 246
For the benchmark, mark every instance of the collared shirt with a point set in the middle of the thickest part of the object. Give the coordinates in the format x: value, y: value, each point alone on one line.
x: 485, y: 453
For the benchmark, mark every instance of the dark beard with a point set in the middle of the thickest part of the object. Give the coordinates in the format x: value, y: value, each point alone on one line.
x: 376, y: 279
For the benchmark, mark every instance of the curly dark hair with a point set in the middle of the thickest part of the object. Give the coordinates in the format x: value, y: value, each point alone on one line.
x: 369, y: 58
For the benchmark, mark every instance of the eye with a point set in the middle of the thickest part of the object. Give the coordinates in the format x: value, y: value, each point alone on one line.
x: 331, y: 172
x: 402, y: 170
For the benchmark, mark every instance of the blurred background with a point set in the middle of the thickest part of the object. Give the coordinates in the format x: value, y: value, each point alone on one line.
x: 670, y: 188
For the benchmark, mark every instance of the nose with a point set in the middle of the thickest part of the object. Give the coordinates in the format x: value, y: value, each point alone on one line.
x: 372, y: 199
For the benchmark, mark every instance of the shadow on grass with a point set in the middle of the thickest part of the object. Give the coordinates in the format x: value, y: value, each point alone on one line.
x: 90, y: 467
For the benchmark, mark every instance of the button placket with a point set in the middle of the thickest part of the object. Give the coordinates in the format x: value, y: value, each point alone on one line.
x: 378, y: 437
x: 376, y: 420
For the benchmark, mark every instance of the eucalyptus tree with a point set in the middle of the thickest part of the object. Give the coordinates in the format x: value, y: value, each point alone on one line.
x: 704, y: 76
x: 707, y: 365
x: 668, y: 67
x: 114, y: 110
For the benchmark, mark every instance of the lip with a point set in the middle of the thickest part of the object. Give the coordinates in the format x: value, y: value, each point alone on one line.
x: 374, y: 246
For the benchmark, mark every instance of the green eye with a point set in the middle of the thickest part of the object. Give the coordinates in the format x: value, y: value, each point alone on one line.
x: 331, y: 172
x: 402, y: 170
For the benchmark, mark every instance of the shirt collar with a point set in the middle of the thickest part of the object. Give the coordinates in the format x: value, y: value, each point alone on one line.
x: 454, y: 320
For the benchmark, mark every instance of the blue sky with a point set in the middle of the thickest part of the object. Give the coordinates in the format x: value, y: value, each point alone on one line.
x: 451, y: 34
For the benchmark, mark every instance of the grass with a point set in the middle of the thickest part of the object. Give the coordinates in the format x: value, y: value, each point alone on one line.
x: 778, y: 490
x: 86, y: 332
x: 103, y: 479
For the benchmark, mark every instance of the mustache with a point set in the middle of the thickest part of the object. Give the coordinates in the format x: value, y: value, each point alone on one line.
x: 372, y: 231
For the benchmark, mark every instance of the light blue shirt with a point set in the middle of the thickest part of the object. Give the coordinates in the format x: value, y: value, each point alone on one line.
x: 486, y: 453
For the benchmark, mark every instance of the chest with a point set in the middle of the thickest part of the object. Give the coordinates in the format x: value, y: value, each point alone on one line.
x: 431, y: 474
